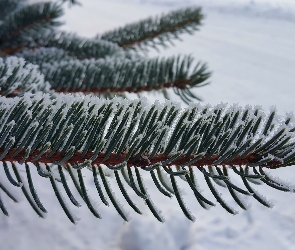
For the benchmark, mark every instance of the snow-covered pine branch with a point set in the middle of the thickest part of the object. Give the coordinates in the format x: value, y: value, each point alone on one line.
x: 86, y: 132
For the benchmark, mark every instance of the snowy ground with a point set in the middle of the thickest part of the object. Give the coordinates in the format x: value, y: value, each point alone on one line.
x: 249, y: 46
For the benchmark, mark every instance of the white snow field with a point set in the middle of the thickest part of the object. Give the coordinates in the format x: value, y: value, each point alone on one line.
x: 249, y: 46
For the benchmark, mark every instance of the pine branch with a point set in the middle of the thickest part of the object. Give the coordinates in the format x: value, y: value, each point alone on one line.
x: 19, y: 28
x: 156, y: 31
x: 120, y: 76
x: 216, y: 135
x: 79, y: 133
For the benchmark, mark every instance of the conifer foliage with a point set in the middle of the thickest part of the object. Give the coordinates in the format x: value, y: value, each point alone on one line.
x: 64, y: 111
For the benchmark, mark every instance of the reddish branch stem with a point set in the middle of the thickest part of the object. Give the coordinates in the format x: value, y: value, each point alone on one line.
x: 181, y: 84
x: 142, y: 162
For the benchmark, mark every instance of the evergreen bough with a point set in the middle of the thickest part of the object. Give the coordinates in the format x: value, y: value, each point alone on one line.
x: 63, y: 111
